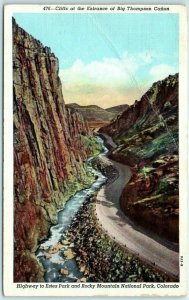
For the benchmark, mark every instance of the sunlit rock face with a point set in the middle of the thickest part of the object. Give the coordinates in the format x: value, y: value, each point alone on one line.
x: 50, y: 144
x: 147, y: 137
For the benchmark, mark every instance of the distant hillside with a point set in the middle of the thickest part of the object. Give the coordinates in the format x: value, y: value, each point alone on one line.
x: 93, y: 112
x: 117, y: 109
x: 96, y: 113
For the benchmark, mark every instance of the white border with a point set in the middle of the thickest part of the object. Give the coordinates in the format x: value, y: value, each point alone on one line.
x: 10, y: 287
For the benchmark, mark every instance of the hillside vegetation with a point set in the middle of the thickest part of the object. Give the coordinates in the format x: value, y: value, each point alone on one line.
x: 147, y: 137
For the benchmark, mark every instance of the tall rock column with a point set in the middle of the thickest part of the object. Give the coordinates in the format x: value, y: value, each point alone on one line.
x: 48, y: 149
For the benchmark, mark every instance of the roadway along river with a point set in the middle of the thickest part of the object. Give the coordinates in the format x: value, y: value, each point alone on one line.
x: 150, y: 248
x: 135, y: 239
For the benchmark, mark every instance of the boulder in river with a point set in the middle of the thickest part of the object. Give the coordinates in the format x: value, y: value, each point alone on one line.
x: 47, y: 255
x: 64, y: 271
x: 83, y: 279
x: 55, y: 248
x: 69, y: 254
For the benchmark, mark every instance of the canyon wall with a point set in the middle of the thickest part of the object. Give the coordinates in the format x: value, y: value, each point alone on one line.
x: 147, y: 137
x: 51, y: 143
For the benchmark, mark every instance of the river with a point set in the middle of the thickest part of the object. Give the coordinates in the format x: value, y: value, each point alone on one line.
x: 54, y: 264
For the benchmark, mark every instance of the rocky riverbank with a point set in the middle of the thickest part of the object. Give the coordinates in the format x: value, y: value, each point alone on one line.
x: 105, y: 166
x: 99, y: 258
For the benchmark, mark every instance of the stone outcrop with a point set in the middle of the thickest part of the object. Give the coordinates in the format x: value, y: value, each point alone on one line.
x: 151, y: 108
x: 51, y: 143
x: 147, y: 137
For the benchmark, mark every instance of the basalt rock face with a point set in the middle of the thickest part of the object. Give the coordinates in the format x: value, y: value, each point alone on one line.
x: 147, y: 138
x: 50, y: 144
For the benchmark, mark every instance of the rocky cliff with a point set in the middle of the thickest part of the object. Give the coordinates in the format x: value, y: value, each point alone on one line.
x: 51, y: 143
x: 147, y: 138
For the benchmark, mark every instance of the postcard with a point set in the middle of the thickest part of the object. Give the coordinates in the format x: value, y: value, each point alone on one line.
x: 95, y: 159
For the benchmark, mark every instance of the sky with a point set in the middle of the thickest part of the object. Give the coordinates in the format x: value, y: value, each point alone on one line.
x: 107, y: 59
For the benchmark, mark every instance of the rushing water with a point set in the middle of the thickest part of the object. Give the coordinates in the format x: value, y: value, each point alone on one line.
x: 53, y: 264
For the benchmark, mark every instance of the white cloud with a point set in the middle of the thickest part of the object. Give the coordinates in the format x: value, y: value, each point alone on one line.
x: 161, y: 71
x: 109, y: 70
x: 111, y: 79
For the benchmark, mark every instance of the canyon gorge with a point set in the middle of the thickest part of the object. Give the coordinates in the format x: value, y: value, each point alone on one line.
x: 54, y: 147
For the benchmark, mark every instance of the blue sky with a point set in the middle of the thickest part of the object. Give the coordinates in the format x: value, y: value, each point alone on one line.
x: 107, y: 58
